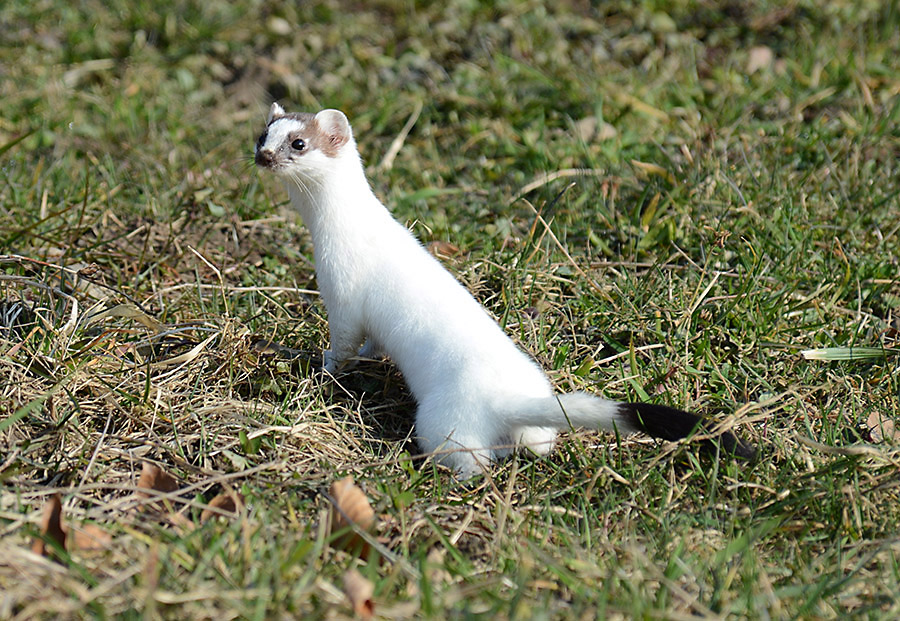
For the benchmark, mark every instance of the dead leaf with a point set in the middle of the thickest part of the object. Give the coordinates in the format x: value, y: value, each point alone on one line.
x: 89, y: 537
x: 359, y: 592
x: 351, y: 507
x: 352, y: 503
x: 155, y: 478
x: 230, y: 502
x: 51, y: 528
x: 127, y: 311
x: 85, y: 537
x: 187, y: 356
x: 442, y: 249
x: 882, y: 429
x: 759, y: 57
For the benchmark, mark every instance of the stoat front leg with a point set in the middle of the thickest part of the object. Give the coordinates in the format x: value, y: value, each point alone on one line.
x: 370, y: 350
x: 345, y: 341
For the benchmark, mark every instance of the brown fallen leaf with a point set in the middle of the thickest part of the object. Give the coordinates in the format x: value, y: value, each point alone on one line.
x: 231, y: 502
x: 882, y: 429
x: 153, y: 482
x: 442, y: 249
x: 155, y: 478
x: 350, y: 507
x: 359, y: 592
x: 89, y: 537
x: 51, y: 528
x: 128, y: 311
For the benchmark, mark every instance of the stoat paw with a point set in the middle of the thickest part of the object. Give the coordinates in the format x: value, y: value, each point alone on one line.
x: 538, y: 440
x: 329, y: 364
x: 370, y: 350
x: 467, y: 464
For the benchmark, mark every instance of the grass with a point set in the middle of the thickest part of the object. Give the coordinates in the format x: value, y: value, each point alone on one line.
x: 724, y: 220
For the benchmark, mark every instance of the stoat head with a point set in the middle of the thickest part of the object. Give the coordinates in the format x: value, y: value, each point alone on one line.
x: 302, y: 144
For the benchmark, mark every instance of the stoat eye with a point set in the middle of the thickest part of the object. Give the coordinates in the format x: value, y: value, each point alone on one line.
x: 298, y: 144
x: 262, y: 139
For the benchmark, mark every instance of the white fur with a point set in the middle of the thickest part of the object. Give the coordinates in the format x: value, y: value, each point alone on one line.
x: 476, y: 391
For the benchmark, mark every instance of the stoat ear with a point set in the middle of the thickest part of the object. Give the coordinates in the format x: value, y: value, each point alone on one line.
x: 335, y: 126
x: 275, y: 111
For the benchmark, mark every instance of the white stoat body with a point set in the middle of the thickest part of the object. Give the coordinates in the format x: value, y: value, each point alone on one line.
x: 383, y: 291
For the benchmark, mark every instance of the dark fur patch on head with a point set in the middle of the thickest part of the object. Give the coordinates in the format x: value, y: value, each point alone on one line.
x: 327, y: 140
x: 334, y: 130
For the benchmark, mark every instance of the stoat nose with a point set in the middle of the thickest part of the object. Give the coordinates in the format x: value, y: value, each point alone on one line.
x: 264, y: 158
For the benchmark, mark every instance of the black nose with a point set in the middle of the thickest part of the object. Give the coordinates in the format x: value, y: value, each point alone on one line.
x: 264, y: 158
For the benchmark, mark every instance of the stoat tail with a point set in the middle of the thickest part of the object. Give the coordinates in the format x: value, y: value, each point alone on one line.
x: 581, y: 409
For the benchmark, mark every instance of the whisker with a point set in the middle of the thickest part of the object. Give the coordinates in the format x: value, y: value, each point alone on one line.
x: 304, y: 182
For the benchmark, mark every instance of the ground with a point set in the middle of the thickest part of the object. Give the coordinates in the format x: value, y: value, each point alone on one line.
x: 663, y: 201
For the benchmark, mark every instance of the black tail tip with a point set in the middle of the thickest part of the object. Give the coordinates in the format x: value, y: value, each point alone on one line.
x: 661, y: 421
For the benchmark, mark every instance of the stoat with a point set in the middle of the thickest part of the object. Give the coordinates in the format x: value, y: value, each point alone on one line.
x: 477, y: 392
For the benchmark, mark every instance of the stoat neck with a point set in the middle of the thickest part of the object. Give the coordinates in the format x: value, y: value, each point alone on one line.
x: 341, y: 197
